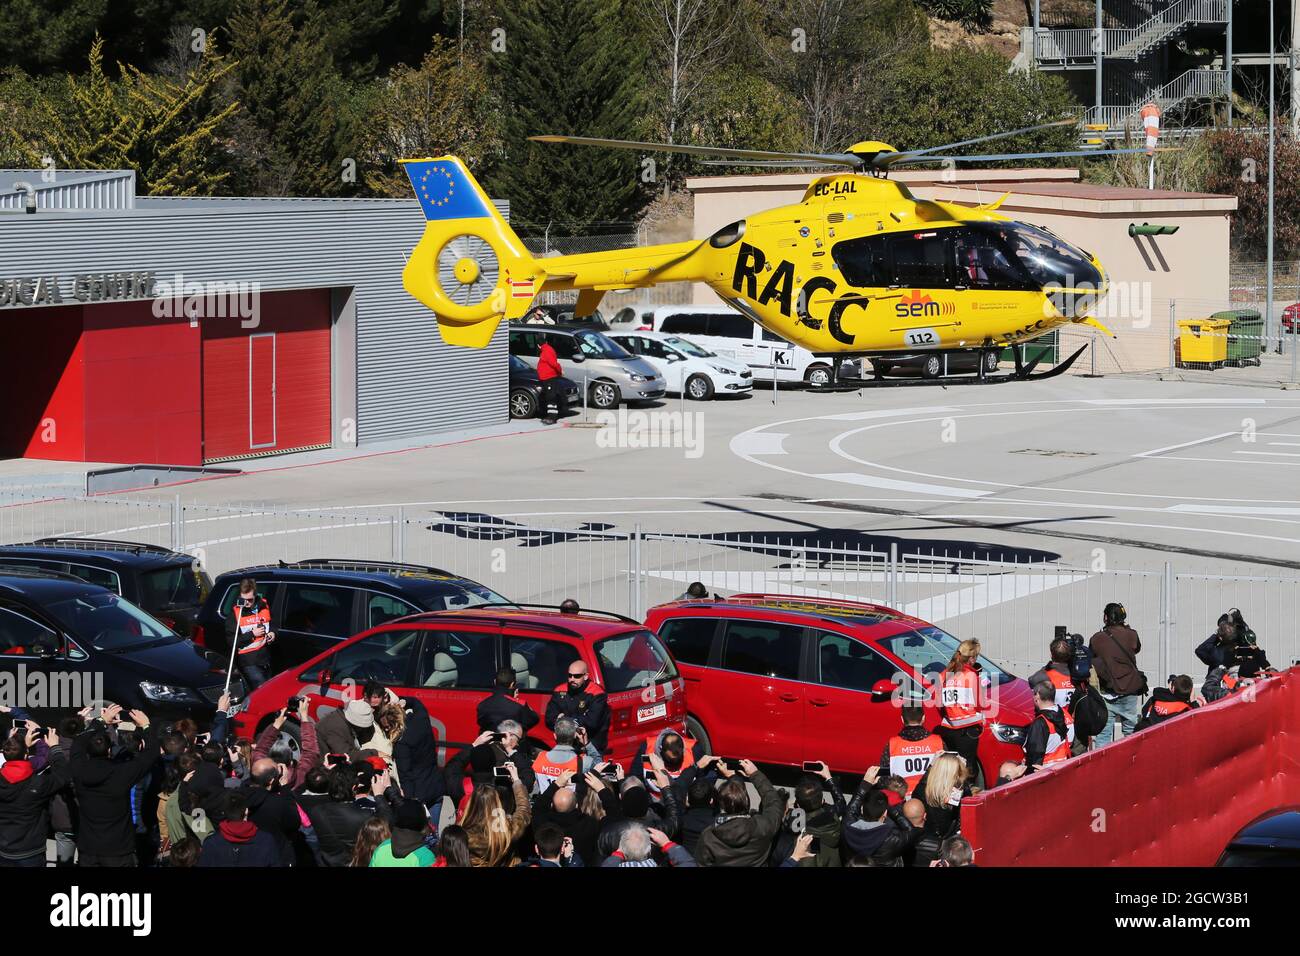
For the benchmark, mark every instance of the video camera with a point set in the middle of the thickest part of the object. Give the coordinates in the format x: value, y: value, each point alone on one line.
x: 1242, y: 633
x: 1080, y: 654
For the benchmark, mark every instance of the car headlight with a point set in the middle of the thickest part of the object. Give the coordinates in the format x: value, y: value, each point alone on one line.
x: 169, y: 693
x: 723, y: 369
x: 637, y: 378
x: 1007, y: 734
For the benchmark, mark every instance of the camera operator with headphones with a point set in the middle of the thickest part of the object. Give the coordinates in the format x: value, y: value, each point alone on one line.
x: 1114, y: 655
x: 1231, y: 655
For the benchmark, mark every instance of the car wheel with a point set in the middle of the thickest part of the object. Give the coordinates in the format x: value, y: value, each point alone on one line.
x: 699, y: 388
x: 604, y: 395
x: 522, y: 404
x: 991, y: 361
x: 818, y: 376
x: 932, y: 367
x: 696, y: 731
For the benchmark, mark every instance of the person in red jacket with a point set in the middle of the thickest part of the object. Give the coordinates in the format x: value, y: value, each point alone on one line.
x: 548, y: 370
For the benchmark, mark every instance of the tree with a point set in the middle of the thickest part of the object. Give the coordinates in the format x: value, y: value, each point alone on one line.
x: 40, y: 35
x: 686, y: 39
x: 445, y: 106
x: 942, y: 96
x: 30, y: 107
x: 1239, y: 167
x: 740, y: 108
x: 971, y: 14
x: 574, y: 67
x: 296, y: 129
x: 830, y: 54
x: 168, y: 131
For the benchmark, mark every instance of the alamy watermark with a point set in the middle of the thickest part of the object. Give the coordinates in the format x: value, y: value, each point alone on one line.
x: 651, y: 429
x: 208, y: 300
x: 60, y: 690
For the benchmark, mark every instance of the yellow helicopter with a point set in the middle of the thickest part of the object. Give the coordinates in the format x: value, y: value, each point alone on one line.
x: 859, y: 267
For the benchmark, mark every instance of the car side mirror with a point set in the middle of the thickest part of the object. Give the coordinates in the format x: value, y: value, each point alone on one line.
x: 49, y: 650
x: 675, y: 357
x: 882, y: 690
x: 578, y: 357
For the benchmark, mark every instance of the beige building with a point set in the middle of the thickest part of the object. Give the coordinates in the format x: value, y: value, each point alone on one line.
x: 1154, y: 279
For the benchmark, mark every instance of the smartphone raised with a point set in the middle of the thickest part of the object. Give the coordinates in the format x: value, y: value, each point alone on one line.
x: 812, y: 766
x: 501, y: 773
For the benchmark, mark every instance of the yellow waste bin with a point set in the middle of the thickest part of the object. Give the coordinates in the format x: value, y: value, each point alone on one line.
x: 1202, y: 343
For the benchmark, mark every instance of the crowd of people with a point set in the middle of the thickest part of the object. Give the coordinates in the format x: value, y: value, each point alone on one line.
x: 364, y: 786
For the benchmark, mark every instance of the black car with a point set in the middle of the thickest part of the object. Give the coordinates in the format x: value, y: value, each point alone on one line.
x: 934, y: 364
x: 1270, y: 840
x: 526, y: 390
x: 316, y: 603
x: 168, y: 584
x: 65, y: 644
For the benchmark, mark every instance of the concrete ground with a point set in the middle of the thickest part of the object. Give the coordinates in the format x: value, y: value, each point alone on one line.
x: 1200, y: 472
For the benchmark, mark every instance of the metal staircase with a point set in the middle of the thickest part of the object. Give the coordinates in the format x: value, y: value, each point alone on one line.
x: 1077, y: 47
x: 1194, y: 84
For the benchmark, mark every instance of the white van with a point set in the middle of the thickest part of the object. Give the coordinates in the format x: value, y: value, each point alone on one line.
x: 725, y: 331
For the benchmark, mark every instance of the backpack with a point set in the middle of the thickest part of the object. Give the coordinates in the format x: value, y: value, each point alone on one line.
x: 1088, y: 710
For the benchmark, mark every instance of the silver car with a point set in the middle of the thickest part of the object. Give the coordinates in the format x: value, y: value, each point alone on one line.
x: 607, y: 372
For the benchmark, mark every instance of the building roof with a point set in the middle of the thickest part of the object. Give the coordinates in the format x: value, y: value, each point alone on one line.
x: 69, y: 188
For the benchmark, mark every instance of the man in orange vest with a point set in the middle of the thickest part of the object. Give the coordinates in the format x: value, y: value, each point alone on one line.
x: 1057, y: 673
x: 910, y: 752
x: 251, y: 615
x: 549, y: 765
x: 1168, y: 702
x: 1047, y: 739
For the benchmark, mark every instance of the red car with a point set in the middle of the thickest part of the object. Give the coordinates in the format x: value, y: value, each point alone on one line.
x: 781, y: 679
x: 1291, y: 318
x: 448, y: 660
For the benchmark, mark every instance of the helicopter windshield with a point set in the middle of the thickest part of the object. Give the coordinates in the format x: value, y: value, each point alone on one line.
x: 1047, y: 259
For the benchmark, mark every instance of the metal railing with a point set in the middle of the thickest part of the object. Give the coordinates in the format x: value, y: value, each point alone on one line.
x: 1010, y: 600
x: 1194, y: 84
x: 1079, y: 45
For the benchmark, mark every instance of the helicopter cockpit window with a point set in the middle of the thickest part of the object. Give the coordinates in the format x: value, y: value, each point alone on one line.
x: 985, y: 259
x: 1048, y: 259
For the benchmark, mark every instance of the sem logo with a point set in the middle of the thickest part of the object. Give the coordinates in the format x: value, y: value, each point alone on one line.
x: 76, y: 909
x: 919, y: 305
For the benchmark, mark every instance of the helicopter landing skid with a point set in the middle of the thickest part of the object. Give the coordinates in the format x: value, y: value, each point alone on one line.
x: 1024, y: 372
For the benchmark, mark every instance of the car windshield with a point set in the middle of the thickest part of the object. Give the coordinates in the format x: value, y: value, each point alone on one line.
x: 108, y: 621
x: 446, y: 596
x: 596, y: 345
x: 633, y: 660
x: 174, y: 586
x: 689, y: 347
x: 928, y: 650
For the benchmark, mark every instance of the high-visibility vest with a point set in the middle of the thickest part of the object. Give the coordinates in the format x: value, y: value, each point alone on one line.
x: 1167, y: 708
x: 687, y: 760
x: 246, y: 621
x: 550, y: 770
x: 1064, y: 685
x: 1058, y: 747
x: 910, y: 759
x: 959, y: 695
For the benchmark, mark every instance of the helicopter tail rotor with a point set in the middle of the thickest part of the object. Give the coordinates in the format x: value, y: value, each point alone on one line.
x: 469, y: 266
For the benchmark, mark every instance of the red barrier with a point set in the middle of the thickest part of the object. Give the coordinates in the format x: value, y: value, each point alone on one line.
x: 1173, y: 795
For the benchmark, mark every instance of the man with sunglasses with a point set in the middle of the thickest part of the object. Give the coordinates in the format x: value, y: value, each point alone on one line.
x: 583, y: 701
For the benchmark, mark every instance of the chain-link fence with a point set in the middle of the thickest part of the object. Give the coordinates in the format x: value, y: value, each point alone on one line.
x: 1009, y: 604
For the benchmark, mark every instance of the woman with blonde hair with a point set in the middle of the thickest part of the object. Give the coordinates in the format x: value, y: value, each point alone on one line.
x: 941, y: 789
x: 372, y: 833
x: 390, y: 724
x: 490, y: 831
x: 961, y: 702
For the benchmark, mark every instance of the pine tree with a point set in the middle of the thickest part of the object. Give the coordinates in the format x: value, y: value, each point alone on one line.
x: 296, y: 133
x: 572, y: 67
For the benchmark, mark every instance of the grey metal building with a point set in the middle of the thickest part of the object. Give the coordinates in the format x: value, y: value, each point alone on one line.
x: 390, y: 376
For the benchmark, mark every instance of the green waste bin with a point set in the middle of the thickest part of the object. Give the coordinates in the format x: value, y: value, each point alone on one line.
x: 1245, y: 336
x: 1048, y: 345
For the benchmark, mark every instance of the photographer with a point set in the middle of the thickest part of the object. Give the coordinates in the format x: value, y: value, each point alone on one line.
x: 876, y: 827
x: 812, y: 815
x: 549, y: 764
x: 740, y: 837
x: 1047, y: 739
x: 357, y: 794
x: 250, y: 614
x: 1232, y: 645
x: 293, y: 770
x: 103, y: 789
x: 1114, y: 653
x: 25, y: 796
x: 1168, y: 701
x: 1068, y: 672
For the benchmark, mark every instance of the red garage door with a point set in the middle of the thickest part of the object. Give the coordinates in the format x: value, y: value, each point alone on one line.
x: 267, y: 389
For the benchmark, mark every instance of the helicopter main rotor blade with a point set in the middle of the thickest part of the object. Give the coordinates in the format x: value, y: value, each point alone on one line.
x: 826, y: 159
x: 888, y: 159
x: 999, y: 157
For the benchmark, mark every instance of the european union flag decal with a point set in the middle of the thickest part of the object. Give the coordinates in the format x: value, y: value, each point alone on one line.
x: 445, y: 190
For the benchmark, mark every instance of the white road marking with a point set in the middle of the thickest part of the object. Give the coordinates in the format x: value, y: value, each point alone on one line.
x: 1232, y: 510
x: 1135, y: 402
x: 1285, y: 454
x: 1186, y: 444
x: 890, y: 413
x: 875, y: 481
x: 758, y: 443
